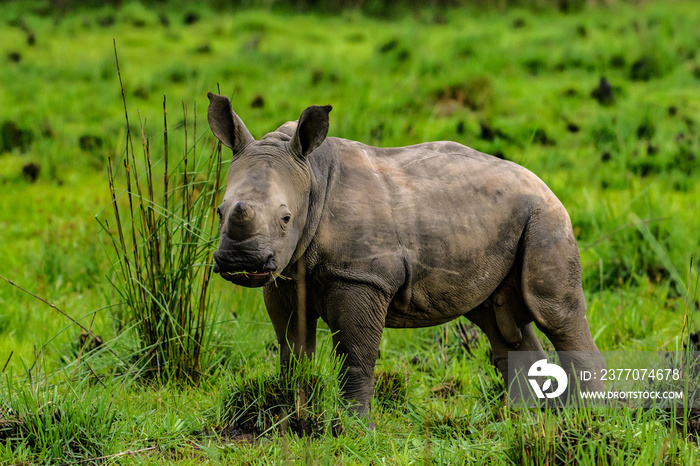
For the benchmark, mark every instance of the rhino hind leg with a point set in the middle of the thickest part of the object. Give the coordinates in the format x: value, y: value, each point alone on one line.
x: 552, y: 290
x: 505, y: 320
x: 495, y: 319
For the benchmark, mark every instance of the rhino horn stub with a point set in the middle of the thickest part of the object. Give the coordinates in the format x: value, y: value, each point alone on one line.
x: 311, y: 130
x: 225, y: 124
x: 242, y: 213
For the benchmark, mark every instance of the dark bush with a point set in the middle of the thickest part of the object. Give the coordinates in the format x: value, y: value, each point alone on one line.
x: 645, y: 68
x: 474, y: 94
x: 31, y: 171
x: 542, y: 138
x: 646, y: 129
x: 258, y: 102
x: 12, y: 136
x: 191, y: 18
x: 90, y: 142
x: 604, y: 93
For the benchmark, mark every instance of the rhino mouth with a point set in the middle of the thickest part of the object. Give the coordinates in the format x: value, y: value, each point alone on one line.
x: 252, y: 275
x: 245, y: 278
x: 244, y: 270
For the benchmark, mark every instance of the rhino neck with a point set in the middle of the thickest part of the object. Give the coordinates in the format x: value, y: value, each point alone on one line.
x: 321, y: 162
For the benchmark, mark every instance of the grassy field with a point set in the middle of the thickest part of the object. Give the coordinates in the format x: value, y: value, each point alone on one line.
x: 603, y: 104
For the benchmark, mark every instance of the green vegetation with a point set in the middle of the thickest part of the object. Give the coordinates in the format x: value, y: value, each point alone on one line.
x: 622, y: 153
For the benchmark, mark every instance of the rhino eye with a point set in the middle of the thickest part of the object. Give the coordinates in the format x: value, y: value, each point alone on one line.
x: 218, y: 211
x: 286, y: 218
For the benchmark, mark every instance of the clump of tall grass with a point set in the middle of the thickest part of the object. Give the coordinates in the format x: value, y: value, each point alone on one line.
x: 162, y: 235
x: 305, y: 400
x: 46, y: 423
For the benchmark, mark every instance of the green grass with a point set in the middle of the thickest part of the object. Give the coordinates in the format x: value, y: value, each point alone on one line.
x: 516, y: 82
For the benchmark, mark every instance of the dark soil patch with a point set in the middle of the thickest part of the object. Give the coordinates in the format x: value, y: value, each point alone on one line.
x: 694, y: 422
x: 237, y: 434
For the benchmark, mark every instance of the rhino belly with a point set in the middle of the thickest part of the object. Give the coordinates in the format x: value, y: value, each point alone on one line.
x: 438, y: 295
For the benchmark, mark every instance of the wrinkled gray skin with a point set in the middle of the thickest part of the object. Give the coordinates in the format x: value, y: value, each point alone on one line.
x: 404, y: 237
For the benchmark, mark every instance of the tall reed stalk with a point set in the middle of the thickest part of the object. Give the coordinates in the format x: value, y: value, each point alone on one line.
x: 163, y: 243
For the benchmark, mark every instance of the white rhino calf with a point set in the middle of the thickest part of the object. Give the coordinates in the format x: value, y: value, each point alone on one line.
x: 404, y: 237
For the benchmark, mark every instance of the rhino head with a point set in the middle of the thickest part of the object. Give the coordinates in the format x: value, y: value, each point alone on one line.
x: 265, y: 206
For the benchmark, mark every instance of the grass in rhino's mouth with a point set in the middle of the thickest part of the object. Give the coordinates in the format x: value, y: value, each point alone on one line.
x: 247, y: 274
x: 244, y: 274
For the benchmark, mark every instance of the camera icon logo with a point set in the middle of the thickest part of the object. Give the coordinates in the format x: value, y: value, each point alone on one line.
x: 541, y: 369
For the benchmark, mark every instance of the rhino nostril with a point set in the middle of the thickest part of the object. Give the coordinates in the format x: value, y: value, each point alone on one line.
x: 270, y: 264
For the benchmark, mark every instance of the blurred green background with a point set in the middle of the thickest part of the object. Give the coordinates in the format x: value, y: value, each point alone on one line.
x: 600, y: 99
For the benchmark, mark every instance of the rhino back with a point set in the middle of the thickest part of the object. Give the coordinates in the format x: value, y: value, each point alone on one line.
x: 436, y: 225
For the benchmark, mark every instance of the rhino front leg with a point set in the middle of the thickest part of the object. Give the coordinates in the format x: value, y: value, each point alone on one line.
x: 356, y: 314
x: 294, y: 322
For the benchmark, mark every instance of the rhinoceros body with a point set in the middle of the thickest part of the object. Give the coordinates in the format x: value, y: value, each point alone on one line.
x: 367, y: 238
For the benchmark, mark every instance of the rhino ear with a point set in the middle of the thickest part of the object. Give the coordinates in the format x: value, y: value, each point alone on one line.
x: 225, y: 124
x: 311, y: 131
